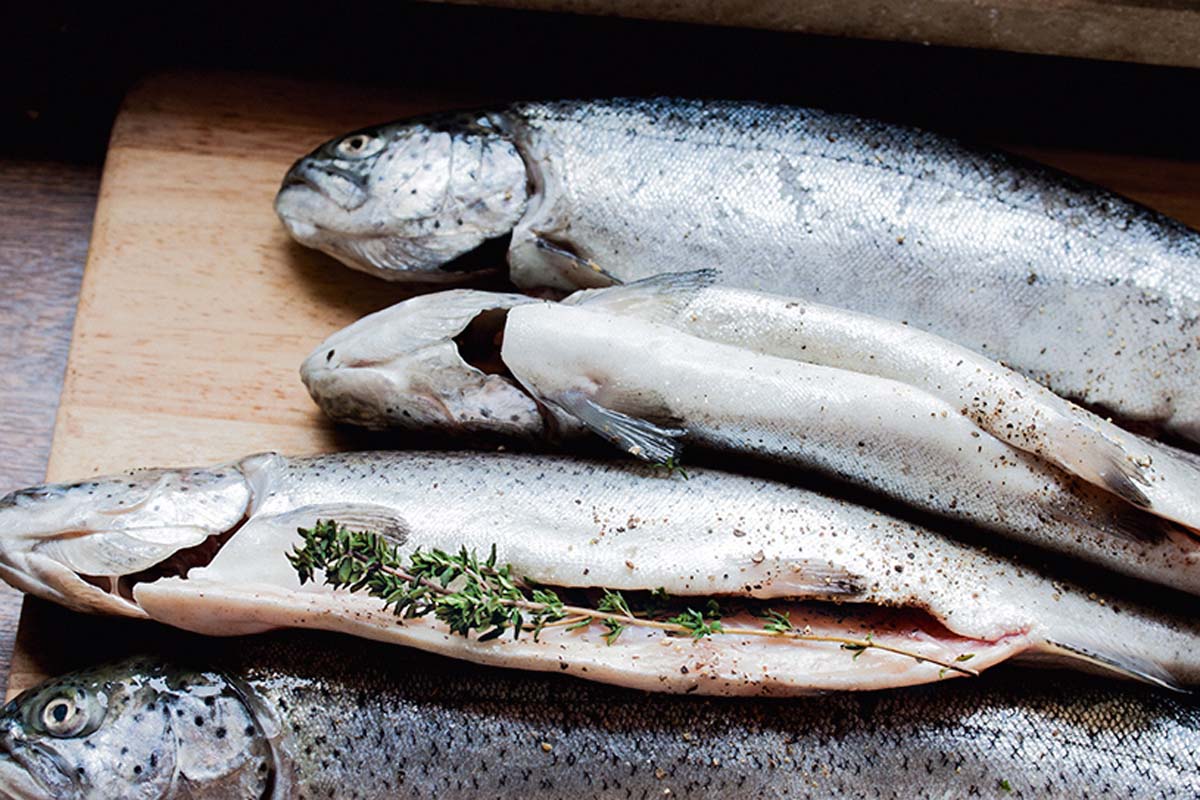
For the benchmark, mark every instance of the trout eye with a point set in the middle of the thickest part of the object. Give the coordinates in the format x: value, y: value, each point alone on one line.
x: 359, y: 145
x: 62, y: 717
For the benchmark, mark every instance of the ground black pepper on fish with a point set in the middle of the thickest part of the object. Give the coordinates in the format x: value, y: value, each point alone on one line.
x: 127, y: 545
x: 1088, y: 293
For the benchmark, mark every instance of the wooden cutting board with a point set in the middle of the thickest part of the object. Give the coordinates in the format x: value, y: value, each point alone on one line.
x: 196, y: 309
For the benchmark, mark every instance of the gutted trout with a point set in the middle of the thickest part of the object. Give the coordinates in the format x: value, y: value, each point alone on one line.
x: 928, y: 607
x: 313, y: 718
x: 1006, y: 404
x: 1084, y: 291
x: 649, y: 388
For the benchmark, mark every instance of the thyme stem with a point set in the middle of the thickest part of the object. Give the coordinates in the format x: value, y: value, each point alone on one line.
x: 357, y: 560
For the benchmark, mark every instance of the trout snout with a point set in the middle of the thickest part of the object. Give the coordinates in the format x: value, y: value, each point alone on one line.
x: 77, y: 544
x: 424, y: 364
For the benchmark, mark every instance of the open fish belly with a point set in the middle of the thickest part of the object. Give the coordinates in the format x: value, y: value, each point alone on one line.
x: 576, y: 525
x: 1082, y: 290
x: 1006, y: 404
x: 640, y: 658
x: 867, y: 430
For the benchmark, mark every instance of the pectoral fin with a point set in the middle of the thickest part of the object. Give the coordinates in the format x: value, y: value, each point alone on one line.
x: 638, y: 437
x: 580, y: 271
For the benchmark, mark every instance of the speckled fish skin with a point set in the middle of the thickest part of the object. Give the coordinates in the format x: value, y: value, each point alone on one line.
x: 362, y: 723
x: 1088, y: 293
x: 1002, y: 402
x: 137, y: 729
x: 570, y: 523
x: 867, y: 430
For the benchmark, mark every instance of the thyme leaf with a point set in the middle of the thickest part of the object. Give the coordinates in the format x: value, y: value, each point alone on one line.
x: 484, y: 598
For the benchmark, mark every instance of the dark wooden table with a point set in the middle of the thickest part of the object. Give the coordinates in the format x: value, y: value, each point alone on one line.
x: 45, y: 220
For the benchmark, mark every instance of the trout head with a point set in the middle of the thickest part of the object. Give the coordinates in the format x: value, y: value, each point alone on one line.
x: 135, y: 729
x: 402, y: 200
x: 78, y: 544
x: 430, y: 363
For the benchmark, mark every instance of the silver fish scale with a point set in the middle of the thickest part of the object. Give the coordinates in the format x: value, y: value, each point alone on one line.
x: 1083, y: 290
x: 311, y: 718
x: 363, y: 731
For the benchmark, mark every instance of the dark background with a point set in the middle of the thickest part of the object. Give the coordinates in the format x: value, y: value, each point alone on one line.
x: 69, y: 68
x: 66, y: 69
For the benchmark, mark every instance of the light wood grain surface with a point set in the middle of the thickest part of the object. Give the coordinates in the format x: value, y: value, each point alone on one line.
x: 196, y: 309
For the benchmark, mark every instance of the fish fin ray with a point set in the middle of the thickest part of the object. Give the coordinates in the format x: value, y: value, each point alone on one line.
x: 1124, y: 664
x: 585, y: 269
x: 638, y: 437
x: 1129, y: 524
x: 356, y: 516
x: 824, y: 579
x: 1122, y: 479
x: 658, y: 298
x: 1083, y: 450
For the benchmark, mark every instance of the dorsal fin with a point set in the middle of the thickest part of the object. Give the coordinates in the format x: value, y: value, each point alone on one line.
x: 658, y: 298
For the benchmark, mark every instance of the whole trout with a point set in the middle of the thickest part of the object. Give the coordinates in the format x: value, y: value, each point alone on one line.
x: 1086, y: 292
x: 206, y: 550
x: 315, y: 718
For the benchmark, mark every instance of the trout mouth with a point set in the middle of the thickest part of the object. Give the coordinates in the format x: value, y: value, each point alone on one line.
x: 40, y: 572
x: 20, y: 767
x: 120, y: 587
x: 429, y: 363
x: 85, y: 545
x: 337, y: 185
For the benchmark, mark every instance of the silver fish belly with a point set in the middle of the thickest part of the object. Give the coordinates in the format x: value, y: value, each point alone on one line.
x: 1006, y: 404
x: 617, y: 375
x: 312, y: 718
x: 1086, y: 292
x: 836, y: 569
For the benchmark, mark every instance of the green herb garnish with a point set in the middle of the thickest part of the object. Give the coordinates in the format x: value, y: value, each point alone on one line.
x: 487, y: 599
x: 672, y: 466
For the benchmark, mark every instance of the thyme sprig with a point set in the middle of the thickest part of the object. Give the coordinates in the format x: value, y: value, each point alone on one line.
x: 478, y: 596
x: 672, y: 466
